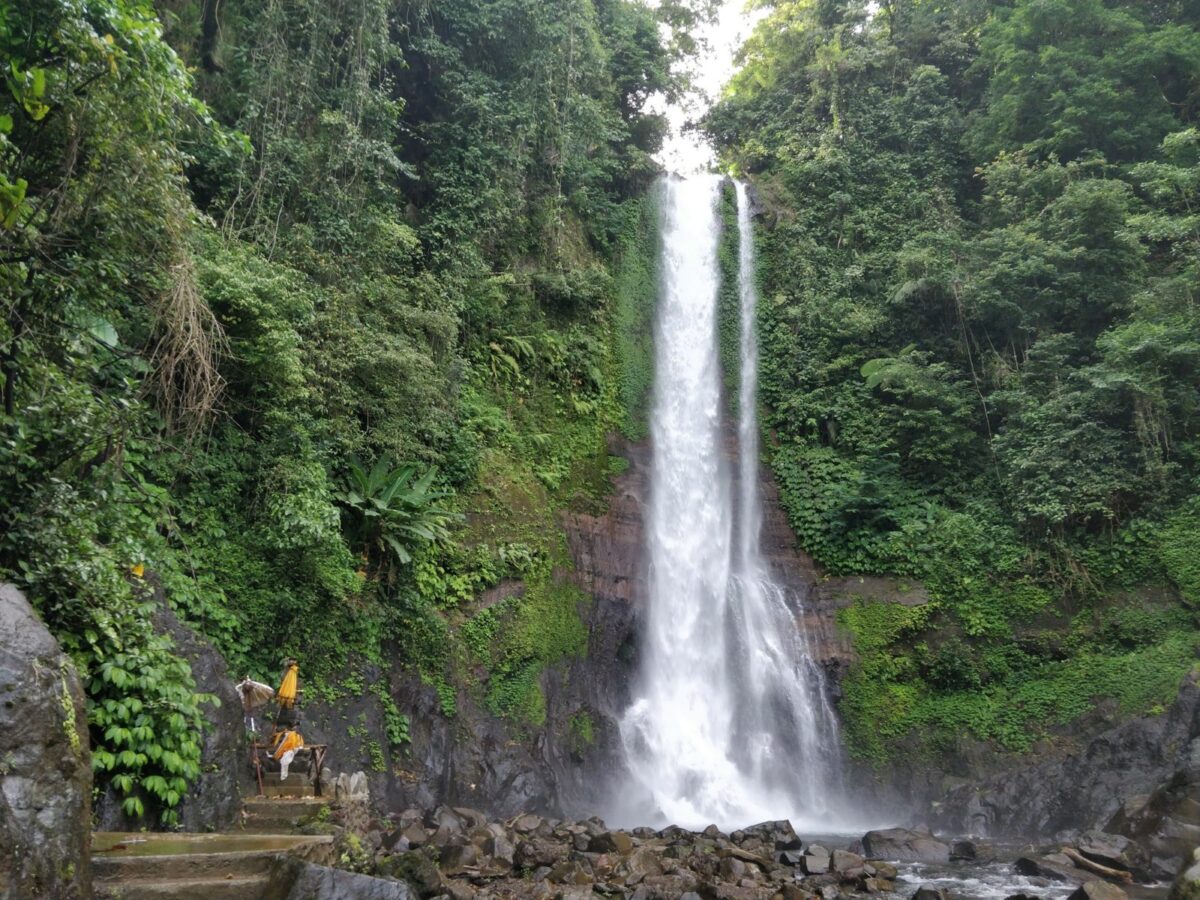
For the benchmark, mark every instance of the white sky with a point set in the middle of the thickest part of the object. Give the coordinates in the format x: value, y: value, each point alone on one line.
x: 684, y: 153
x: 711, y: 70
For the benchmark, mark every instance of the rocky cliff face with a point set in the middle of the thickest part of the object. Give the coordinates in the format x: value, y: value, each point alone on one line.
x: 475, y: 759
x: 1139, y: 778
x: 45, y: 762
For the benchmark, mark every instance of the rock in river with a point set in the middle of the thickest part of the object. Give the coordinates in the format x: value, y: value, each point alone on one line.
x: 1098, y: 890
x: 905, y: 845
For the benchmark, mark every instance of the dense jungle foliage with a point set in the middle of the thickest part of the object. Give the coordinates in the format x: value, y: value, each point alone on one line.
x: 312, y: 317
x: 980, y: 266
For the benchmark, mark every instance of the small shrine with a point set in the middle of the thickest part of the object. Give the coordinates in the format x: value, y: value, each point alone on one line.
x: 284, y: 763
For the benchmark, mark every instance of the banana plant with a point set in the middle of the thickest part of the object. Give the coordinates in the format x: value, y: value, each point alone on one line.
x: 394, y: 510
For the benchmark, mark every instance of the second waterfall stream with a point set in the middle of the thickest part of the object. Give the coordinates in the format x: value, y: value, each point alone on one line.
x: 729, y: 722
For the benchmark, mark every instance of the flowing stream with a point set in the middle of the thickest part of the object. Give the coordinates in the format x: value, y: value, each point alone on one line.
x: 730, y: 723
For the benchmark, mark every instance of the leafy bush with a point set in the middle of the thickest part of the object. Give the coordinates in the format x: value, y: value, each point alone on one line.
x: 391, y: 508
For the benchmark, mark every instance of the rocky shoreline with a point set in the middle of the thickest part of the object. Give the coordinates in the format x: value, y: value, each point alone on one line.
x: 458, y: 853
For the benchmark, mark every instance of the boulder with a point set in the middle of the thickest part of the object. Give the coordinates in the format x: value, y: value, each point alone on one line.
x: 843, y: 861
x: 532, y: 854
x: 929, y: 892
x: 455, y: 858
x: 358, y: 786
x: 779, y: 833
x: 1112, y: 850
x: 905, y: 845
x: 501, y: 850
x: 732, y: 868
x: 815, y: 863
x: 415, y: 868
x: 444, y: 817
x: 1054, y: 868
x: 313, y: 882
x: 610, y: 842
x: 1098, y: 890
x: 526, y: 824
x: 45, y: 762
x: 963, y: 850
x: 884, y: 869
x: 1164, y: 868
x: 1187, y: 885
x: 640, y: 864
x: 415, y: 835
x: 472, y: 818
x: 570, y: 872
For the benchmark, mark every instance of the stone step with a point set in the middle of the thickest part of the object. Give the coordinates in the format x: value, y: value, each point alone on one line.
x: 119, y: 859
x: 189, y: 866
x: 254, y: 887
x: 267, y: 815
x: 289, y: 790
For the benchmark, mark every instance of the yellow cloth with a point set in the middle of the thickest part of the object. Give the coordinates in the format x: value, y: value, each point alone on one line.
x: 287, y: 690
x: 290, y: 740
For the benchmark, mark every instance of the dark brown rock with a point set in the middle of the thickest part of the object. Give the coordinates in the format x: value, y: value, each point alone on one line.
x: 1098, y: 890
x: 1113, y: 850
x: 731, y: 868
x: 415, y: 868
x: 539, y: 852
x: 570, y: 872
x: 610, y: 842
x: 843, y: 861
x: 1187, y: 885
x: 455, y: 858
x: 1052, y: 869
x: 884, y: 869
x: 415, y: 835
x: 905, y: 845
x: 527, y: 823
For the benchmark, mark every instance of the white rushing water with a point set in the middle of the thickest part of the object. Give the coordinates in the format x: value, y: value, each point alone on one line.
x: 730, y: 724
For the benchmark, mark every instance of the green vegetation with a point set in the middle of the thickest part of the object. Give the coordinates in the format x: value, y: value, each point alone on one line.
x: 245, y: 248
x: 316, y: 319
x: 581, y: 732
x: 981, y: 347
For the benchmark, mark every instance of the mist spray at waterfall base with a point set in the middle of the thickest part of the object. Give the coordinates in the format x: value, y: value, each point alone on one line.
x: 729, y: 723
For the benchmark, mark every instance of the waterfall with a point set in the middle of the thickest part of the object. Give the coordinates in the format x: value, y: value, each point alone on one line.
x: 729, y: 722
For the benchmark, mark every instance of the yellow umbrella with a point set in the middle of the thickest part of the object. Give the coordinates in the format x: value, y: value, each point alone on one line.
x: 287, y: 690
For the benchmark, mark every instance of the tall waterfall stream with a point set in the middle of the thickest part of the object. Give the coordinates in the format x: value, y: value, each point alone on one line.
x: 730, y: 723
